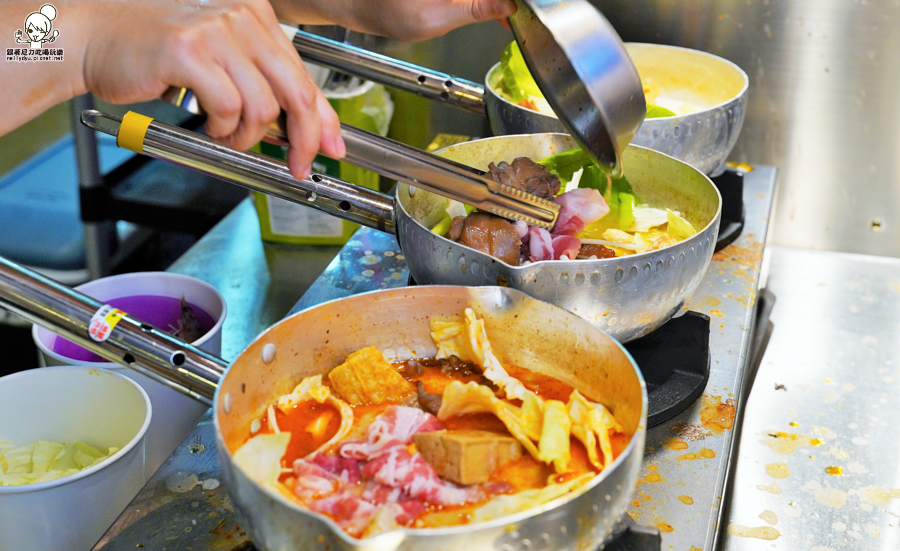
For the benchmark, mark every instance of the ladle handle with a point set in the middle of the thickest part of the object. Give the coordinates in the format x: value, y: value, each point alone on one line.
x: 356, y: 61
x: 131, y: 343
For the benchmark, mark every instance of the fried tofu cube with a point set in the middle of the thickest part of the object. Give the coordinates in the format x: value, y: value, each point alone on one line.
x: 467, y: 456
x: 366, y: 377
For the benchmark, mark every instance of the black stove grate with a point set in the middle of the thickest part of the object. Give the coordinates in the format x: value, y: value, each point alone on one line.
x: 674, y: 360
x: 731, y: 186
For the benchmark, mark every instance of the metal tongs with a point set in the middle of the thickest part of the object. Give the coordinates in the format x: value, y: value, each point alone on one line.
x: 386, y: 157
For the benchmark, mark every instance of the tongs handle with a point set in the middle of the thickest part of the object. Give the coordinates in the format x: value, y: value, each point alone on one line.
x: 128, y: 341
x: 247, y: 169
x: 347, y: 58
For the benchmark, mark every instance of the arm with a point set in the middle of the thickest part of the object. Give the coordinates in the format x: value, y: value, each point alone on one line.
x: 230, y: 52
x: 401, y: 19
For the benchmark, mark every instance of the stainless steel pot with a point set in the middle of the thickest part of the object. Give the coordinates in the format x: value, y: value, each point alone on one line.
x: 523, y: 331
x: 627, y: 296
x: 703, y: 139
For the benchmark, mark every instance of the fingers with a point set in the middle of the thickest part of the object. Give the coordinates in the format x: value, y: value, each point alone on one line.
x: 311, y: 122
x: 259, y: 107
x: 485, y: 10
x: 331, y: 142
x: 216, y: 92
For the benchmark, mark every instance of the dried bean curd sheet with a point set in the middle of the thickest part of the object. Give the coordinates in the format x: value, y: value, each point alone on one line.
x: 360, y: 446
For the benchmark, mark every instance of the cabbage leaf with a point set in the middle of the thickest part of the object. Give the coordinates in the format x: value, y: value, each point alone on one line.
x: 508, y: 504
x: 260, y: 457
x: 45, y: 460
x: 516, y: 80
x: 679, y: 228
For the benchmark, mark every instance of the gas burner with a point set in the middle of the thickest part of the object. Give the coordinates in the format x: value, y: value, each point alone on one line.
x: 674, y: 360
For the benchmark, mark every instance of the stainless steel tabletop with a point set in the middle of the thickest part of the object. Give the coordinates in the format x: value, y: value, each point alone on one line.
x: 819, y: 465
x: 686, y: 460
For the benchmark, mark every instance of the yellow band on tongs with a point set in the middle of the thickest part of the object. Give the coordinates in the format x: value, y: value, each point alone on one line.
x: 132, y: 131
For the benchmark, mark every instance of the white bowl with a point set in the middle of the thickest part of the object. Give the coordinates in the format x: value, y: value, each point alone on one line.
x: 69, y: 404
x: 176, y: 414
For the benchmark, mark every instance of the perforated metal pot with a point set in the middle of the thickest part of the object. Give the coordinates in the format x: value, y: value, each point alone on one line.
x: 523, y: 332
x: 628, y: 296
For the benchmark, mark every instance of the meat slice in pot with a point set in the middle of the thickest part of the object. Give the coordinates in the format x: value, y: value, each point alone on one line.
x: 526, y: 175
x: 489, y: 234
x: 597, y: 250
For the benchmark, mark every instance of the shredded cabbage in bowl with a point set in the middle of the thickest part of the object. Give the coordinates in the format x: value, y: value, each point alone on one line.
x: 45, y: 460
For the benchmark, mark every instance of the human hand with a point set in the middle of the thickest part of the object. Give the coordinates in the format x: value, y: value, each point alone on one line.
x: 231, y: 53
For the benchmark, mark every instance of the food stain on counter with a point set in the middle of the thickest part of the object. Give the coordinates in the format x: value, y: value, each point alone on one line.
x: 704, y: 453
x: 834, y: 470
x: 687, y: 500
x: 769, y: 516
x: 760, y: 532
x: 876, y: 495
x: 750, y: 256
x: 772, y: 488
x: 778, y: 470
x: 708, y: 301
x: 663, y: 527
x: 786, y: 443
x: 716, y: 415
x: 181, y: 482
x: 832, y: 497
x: 675, y: 444
x: 716, y: 313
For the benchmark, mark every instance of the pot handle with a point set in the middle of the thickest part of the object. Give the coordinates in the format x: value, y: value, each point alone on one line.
x: 421, y: 81
x: 250, y: 170
x: 126, y: 340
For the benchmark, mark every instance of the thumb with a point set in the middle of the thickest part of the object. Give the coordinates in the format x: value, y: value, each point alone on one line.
x: 485, y: 10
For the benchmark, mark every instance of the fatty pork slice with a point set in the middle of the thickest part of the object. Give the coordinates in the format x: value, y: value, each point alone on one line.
x: 348, y: 510
x: 417, y: 479
x: 526, y: 175
x: 542, y: 245
x: 489, y: 234
x: 324, y: 475
x: 395, y: 427
x: 579, y: 208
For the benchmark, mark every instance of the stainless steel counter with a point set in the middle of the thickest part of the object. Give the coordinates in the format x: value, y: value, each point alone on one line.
x: 680, y: 491
x: 819, y: 462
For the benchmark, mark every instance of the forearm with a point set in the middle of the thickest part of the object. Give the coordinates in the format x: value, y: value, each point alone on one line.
x: 30, y: 88
x: 315, y: 12
x: 410, y: 20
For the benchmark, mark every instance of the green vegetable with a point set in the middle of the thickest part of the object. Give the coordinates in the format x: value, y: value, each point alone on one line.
x: 622, y: 199
x: 679, y: 228
x: 442, y: 227
x: 516, y: 81
x: 655, y: 112
x: 567, y: 163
